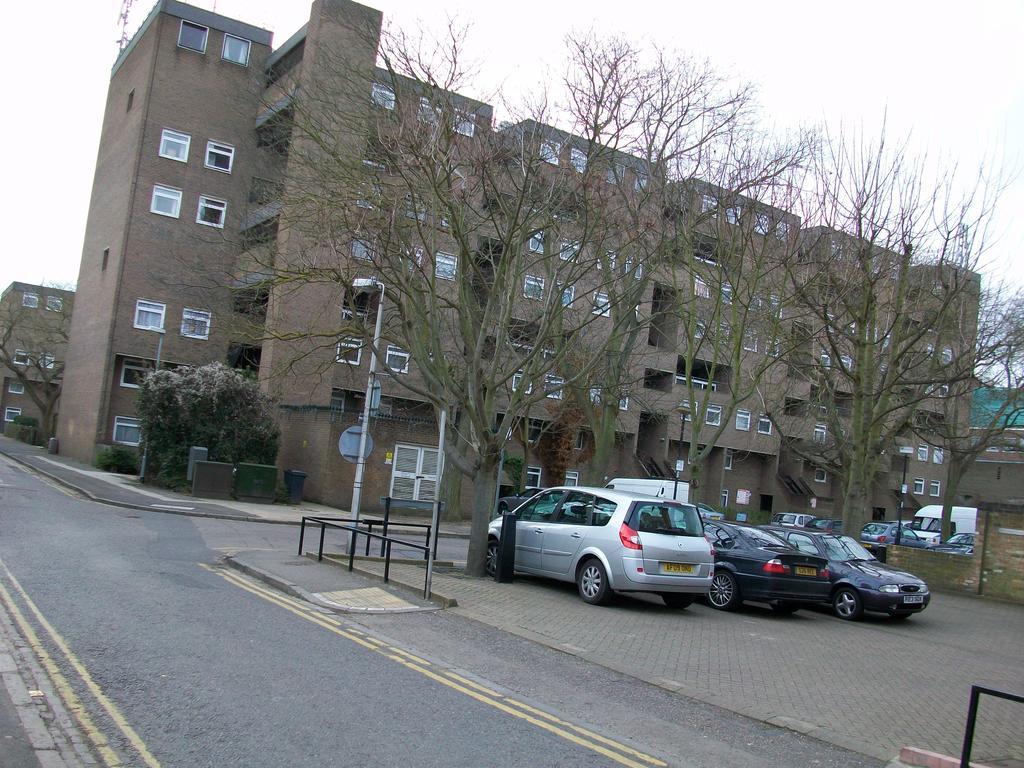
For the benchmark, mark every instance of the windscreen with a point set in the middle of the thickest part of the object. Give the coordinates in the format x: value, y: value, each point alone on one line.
x: 844, y: 549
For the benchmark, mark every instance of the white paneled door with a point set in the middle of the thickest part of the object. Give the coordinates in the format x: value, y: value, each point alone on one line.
x: 414, y: 474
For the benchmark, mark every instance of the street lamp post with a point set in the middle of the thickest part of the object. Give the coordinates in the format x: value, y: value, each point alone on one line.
x: 159, y: 349
x: 905, y: 451
x: 684, y: 411
x: 357, y: 483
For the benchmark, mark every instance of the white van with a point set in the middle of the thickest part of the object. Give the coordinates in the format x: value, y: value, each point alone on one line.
x: 928, y: 521
x: 662, y: 489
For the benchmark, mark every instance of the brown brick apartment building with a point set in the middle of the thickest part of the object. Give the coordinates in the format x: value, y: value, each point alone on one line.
x: 192, y: 171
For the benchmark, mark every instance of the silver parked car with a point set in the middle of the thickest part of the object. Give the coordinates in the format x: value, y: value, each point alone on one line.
x: 611, y: 541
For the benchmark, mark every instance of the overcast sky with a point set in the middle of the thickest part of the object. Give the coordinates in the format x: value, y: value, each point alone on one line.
x: 949, y: 75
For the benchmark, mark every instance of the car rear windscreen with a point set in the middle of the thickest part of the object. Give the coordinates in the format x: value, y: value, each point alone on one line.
x: 671, y: 519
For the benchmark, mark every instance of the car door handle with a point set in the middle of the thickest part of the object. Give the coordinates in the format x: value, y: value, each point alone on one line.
x: 576, y: 535
x: 538, y: 530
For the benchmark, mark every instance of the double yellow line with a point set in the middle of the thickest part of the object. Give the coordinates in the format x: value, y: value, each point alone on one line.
x: 613, y: 750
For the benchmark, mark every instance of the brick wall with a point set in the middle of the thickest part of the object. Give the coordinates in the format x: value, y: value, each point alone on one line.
x: 940, y: 570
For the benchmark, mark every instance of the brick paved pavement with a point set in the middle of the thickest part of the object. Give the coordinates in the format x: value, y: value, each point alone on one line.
x: 872, y: 686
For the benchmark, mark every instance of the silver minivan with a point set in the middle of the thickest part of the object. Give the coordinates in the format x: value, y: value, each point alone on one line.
x: 611, y: 541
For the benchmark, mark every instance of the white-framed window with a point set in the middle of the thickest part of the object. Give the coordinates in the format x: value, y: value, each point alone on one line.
x: 727, y: 459
x: 782, y: 230
x: 764, y: 425
x: 127, y: 431
x: 533, y: 475
x: 569, y: 250
x: 549, y: 151
x: 220, y: 156
x: 166, y: 201
x: 947, y: 355
x: 820, y: 475
x: 428, y: 113
x: 382, y: 96
x: 578, y: 159
x: 533, y: 287
x: 132, y: 373
x: 16, y: 387
x: 595, y: 395
x: 743, y: 420
x: 536, y: 242
x: 922, y: 452
x: 517, y: 381
x: 640, y: 184
x: 361, y: 249
x: 733, y: 214
x: 701, y: 289
x: 211, y: 212
x: 820, y: 433
x: 919, y: 485
x: 445, y: 265
x: 572, y: 477
x: 235, y: 50
x: 602, y: 304
x: 615, y: 173
x: 192, y: 36
x: 195, y: 323
x: 581, y: 440
x: 149, y: 314
x: 825, y: 359
x: 46, y: 360
x: 847, y: 362
x: 934, y: 488
x: 30, y: 300
x: 553, y: 387
x: 713, y: 415
x: 762, y: 223
x: 624, y: 403
x: 54, y: 303
x: 463, y: 123
x: 174, y: 145
x: 21, y: 357
x: 568, y: 294
x: 708, y: 204
x: 350, y: 350
x: 750, y: 340
x: 397, y: 359
x: 723, y: 498
x: 938, y: 455
x: 10, y: 414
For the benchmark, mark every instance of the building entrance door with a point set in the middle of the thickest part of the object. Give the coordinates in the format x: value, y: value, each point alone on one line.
x: 414, y: 474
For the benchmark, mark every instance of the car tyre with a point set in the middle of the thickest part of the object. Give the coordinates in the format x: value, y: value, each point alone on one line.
x: 724, y: 593
x: 676, y: 600
x: 592, y: 582
x: 491, y: 561
x: 847, y: 604
x: 782, y: 607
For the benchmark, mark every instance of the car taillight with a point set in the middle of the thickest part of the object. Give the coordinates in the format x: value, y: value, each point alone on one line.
x: 775, y: 566
x: 711, y: 544
x: 825, y: 574
x: 882, y: 539
x: 630, y: 539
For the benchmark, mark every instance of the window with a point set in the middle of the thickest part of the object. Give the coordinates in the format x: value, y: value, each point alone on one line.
x: 397, y: 359
x: 764, y: 425
x: 362, y: 250
x: 947, y: 355
x: 708, y: 203
x: 192, y: 36
x: 572, y: 477
x: 595, y: 395
x: 934, y: 488
x: 743, y: 421
x: 581, y: 440
x: 568, y: 294
x: 701, y: 289
x: 219, y: 157
x: 350, y: 350
x: 126, y: 430
x: 382, y: 96
x: 569, y: 250
x: 820, y: 433
x: 641, y: 181
x: 132, y: 373
x: 235, y: 50
x: 922, y: 453
x: 536, y: 243
x: 549, y: 151
x: 602, y: 304
x: 847, y: 362
x: 727, y: 459
x: 919, y: 485
x: 782, y: 230
x: 427, y: 113
x: 131, y: 100
x: 166, y: 201
x: 750, y: 341
x: 149, y: 314
x: 211, y: 212
x: 937, y: 455
x: 517, y: 380
x: 723, y: 498
x: 614, y: 173
x: 578, y: 159
x: 10, y: 414
x: 733, y: 213
x: 624, y: 403
x: 713, y: 415
x: 820, y: 475
x: 30, y: 300
x: 463, y: 124
x: 553, y: 386
x: 16, y: 387
x: 195, y: 323
x: 46, y: 360
x: 54, y: 303
x: 174, y: 145
x: 762, y: 224
x: 533, y: 477
x: 533, y: 287
x: 21, y: 357
x: 825, y: 359
x: 445, y: 265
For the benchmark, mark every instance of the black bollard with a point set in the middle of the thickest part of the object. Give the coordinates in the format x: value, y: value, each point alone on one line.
x: 506, y: 549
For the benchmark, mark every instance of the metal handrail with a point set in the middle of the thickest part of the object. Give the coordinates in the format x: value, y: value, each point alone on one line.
x: 972, y: 717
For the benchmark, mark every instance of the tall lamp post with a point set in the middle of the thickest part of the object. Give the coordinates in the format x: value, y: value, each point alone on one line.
x: 905, y: 451
x: 159, y: 349
x: 683, y: 409
x: 363, y: 284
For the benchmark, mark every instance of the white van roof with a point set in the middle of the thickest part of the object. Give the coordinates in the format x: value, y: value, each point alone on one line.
x: 935, y: 510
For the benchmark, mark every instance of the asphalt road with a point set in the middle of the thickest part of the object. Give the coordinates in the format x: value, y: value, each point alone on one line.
x: 179, y: 663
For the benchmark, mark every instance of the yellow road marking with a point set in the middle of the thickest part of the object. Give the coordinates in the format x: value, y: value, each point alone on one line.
x: 64, y: 689
x: 615, y: 751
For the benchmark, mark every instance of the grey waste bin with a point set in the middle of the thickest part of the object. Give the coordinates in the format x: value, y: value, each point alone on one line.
x: 293, y: 481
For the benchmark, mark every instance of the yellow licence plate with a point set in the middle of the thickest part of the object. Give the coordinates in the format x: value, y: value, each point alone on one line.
x: 678, y: 567
x: 806, y: 570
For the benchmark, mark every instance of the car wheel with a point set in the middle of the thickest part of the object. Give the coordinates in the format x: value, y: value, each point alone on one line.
x: 847, y: 604
x: 491, y: 563
x: 782, y: 607
x: 592, y: 582
x: 725, y: 592
x: 676, y: 600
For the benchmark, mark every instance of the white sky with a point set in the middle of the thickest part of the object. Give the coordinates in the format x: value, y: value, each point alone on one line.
x: 951, y: 75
